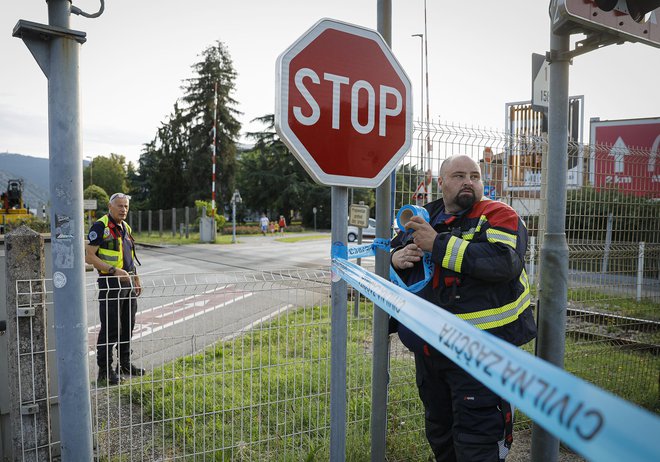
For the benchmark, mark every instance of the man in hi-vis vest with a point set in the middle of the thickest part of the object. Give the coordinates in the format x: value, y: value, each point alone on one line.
x: 111, y: 250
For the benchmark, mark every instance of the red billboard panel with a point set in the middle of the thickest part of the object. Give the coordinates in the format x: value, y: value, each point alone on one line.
x: 624, y: 156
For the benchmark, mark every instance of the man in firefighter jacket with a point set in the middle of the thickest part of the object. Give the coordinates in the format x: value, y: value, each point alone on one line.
x: 111, y: 250
x: 477, y: 246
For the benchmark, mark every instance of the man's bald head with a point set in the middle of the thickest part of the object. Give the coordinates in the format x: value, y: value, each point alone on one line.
x: 460, y: 181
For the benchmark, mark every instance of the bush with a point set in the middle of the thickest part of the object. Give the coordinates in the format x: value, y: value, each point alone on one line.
x: 294, y: 229
x: 240, y: 229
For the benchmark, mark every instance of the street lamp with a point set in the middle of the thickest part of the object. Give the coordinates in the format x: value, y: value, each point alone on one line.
x: 421, y: 90
x: 235, y: 199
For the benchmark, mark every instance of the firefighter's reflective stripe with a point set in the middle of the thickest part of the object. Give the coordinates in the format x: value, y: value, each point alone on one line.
x: 496, y: 317
x: 453, y: 259
x: 495, y: 236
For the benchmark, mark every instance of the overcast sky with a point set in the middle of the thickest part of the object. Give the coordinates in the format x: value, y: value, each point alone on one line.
x: 138, y: 52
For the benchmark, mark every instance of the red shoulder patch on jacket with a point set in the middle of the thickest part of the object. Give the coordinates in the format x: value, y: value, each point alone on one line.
x: 499, y: 214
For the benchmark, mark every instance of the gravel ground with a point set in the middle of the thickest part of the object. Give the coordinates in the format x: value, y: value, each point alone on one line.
x: 521, y: 450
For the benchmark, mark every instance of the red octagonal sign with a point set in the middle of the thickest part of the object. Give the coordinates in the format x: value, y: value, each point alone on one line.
x: 344, y: 105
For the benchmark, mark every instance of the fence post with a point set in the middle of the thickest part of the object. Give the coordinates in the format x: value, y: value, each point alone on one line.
x: 26, y: 349
x: 173, y: 222
x: 532, y: 259
x: 187, y: 218
x: 149, y: 223
x: 160, y: 222
x: 608, y: 243
x: 139, y: 221
x: 640, y: 271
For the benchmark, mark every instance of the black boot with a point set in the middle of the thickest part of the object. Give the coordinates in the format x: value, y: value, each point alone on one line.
x: 130, y: 370
x: 107, y: 376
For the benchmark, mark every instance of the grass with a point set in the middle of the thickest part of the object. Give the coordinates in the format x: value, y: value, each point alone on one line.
x: 168, y: 239
x: 624, y: 306
x: 265, y: 395
x: 314, y: 237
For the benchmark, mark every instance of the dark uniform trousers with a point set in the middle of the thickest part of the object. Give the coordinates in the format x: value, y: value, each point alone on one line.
x: 117, y: 309
x: 464, y: 420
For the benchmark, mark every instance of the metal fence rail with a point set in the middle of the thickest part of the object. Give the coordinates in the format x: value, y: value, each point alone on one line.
x: 238, y: 369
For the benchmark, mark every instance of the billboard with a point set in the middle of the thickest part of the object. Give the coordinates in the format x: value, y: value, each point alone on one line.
x: 624, y: 155
x: 526, y: 130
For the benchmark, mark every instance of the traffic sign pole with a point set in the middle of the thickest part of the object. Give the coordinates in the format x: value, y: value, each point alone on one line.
x: 339, y: 335
x: 344, y: 109
x: 381, y: 338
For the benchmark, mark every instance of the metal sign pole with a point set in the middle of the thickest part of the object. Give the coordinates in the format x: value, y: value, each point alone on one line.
x: 554, y: 251
x: 339, y: 294
x: 56, y: 49
x: 381, y: 319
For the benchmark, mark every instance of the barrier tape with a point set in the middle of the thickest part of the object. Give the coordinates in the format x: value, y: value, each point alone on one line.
x: 598, y: 425
x: 368, y: 250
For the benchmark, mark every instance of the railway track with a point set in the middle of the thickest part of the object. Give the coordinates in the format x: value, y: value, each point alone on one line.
x: 622, y: 331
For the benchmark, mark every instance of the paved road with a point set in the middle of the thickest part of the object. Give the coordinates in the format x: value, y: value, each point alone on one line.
x: 198, y: 294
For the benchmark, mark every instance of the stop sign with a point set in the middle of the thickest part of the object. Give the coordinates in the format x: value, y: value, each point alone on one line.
x: 344, y: 105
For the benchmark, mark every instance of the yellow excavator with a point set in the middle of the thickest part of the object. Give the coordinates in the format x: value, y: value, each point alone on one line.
x: 11, y: 204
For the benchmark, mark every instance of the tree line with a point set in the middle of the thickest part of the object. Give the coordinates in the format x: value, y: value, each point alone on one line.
x: 174, y: 168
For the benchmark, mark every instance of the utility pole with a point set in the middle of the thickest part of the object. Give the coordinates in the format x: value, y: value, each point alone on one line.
x: 596, y: 22
x: 56, y: 49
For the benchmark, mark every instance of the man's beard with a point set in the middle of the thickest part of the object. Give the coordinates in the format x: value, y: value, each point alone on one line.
x: 465, y: 201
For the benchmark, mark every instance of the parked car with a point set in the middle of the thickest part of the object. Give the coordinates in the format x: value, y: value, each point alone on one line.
x: 369, y: 231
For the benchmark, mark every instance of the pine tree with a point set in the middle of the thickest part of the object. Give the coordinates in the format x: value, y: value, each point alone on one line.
x: 273, y: 181
x: 176, y: 167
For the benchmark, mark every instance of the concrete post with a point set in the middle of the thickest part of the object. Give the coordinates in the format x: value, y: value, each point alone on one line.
x: 26, y: 346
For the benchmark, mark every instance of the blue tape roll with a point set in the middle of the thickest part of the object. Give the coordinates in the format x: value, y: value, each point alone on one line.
x: 402, y: 218
x: 407, y: 212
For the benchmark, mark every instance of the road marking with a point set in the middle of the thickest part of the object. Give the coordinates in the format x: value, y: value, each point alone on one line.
x: 161, y: 317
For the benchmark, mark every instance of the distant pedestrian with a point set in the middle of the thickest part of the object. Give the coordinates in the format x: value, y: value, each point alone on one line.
x: 271, y: 227
x: 282, y: 224
x: 263, y: 221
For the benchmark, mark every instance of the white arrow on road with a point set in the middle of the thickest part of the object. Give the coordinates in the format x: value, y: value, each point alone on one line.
x: 619, y: 151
